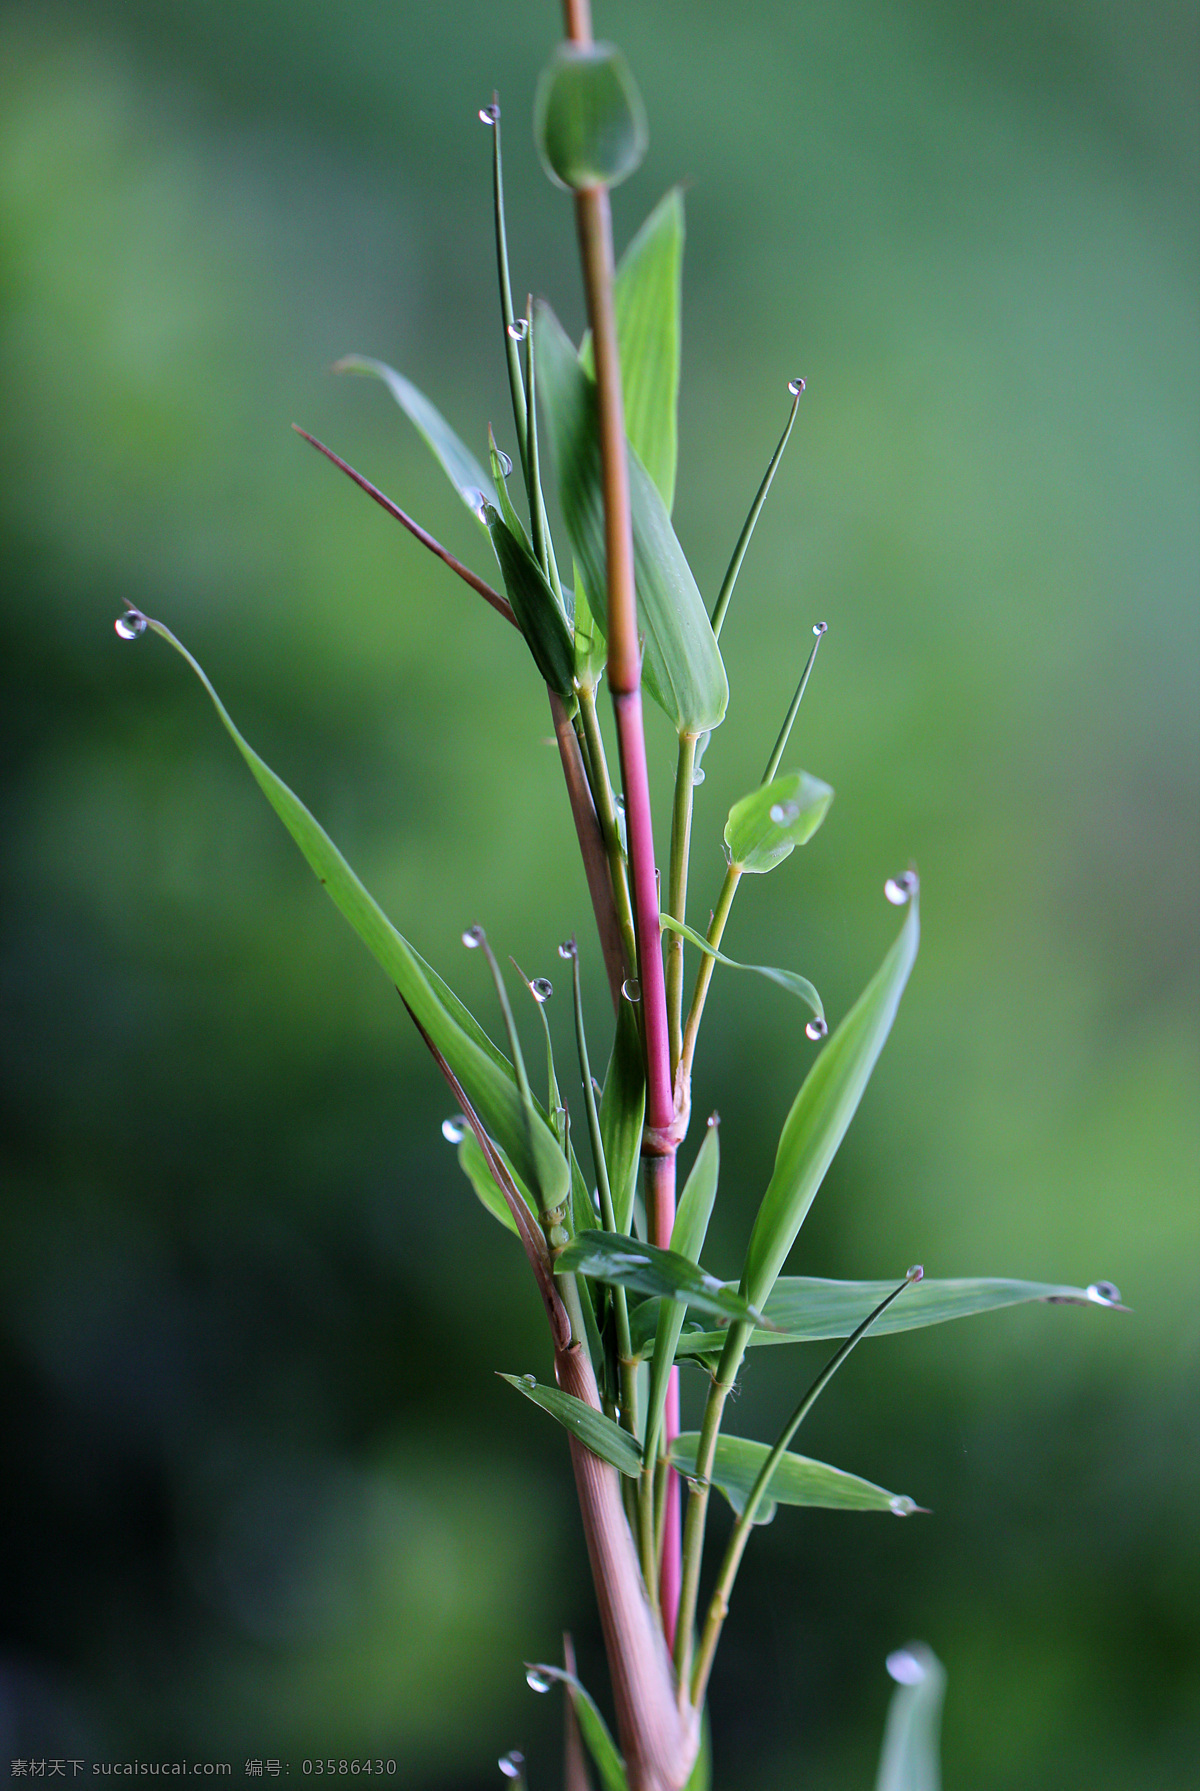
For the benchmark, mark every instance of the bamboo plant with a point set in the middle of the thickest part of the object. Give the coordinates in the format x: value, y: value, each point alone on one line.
x: 616, y: 1255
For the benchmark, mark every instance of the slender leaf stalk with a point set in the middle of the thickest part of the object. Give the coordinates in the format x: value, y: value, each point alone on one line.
x: 681, y: 841
x: 718, y: 1608
x: 511, y: 352
x: 743, y: 542
x: 736, y: 1340
x: 592, y: 849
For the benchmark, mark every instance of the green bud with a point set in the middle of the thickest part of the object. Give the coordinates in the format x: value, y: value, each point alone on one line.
x: 588, y: 116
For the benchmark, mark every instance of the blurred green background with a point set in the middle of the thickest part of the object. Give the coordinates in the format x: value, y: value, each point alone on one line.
x: 263, y: 1494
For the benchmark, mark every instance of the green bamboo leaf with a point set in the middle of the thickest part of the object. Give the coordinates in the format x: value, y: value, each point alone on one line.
x: 687, y: 1240
x: 612, y: 1257
x: 823, y: 1109
x: 592, y: 1725
x: 790, y: 980
x: 588, y: 119
x: 647, y: 298
x: 622, y: 1112
x: 796, y: 1481
x: 589, y: 638
x: 527, y: 1140
x: 474, y: 1166
x: 911, y: 1750
x: 682, y: 668
x: 807, y: 1310
x: 457, y: 461
x: 594, y: 1430
x: 542, y: 622
x: 765, y: 827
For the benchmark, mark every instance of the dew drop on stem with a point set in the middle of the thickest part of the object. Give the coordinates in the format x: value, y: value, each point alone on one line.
x: 899, y: 889
x: 519, y: 329
x: 536, y: 1681
x: 541, y: 988
x: 132, y: 625
x: 795, y: 386
x: 631, y: 989
x: 505, y: 462
x: 568, y: 949
x: 697, y: 778
x: 489, y: 114
x: 817, y: 1028
x: 454, y: 1130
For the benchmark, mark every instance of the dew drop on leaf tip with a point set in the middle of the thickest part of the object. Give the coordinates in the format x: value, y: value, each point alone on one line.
x: 820, y: 628
x: 795, y: 386
x: 899, y: 889
x: 519, y: 329
x: 816, y: 1028
x: 1104, y: 1293
x: 512, y: 1765
x: 473, y: 937
x: 132, y: 625
x: 489, y: 114
x: 567, y: 949
x: 916, y: 1273
x: 905, y: 1668
x: 536, y: 1681
x: 541, y: 988
x: 454, y: 1130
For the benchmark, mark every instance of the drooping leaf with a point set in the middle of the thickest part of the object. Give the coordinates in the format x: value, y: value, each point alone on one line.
x: 911, y: 1741
x: 474, y: 1166
x: 807, y: 1310
x: 687, y: 1241
x: 594, y: 1430
x: 487, y: 1079
x: 626, y: 1262
x: 822, y: 1111
x: 796, y: 1481
x: 765, y: 827
x: 457, y: 461
x: 541, y: 619
x: 682, y: 668
x: 790, y: 980
x: 647, y: 299
x: 593, y: 1727
x: 588, y: 118
x: 622, y: 1112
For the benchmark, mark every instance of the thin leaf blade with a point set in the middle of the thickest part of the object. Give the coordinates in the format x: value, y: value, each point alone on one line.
x: 626, y: 1262
x: 454, y: 457
x: 822, y: 1111
x: 622, y: 1114
x: 798, y: 1480
x: 594, y: 1430
x: 791, y: 980
x: 682, y: 668
x: 593, y: 1727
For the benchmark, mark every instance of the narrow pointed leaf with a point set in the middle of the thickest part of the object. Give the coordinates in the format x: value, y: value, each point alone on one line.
x: 527, y: 1140
x: 593, y: 1727
x: 796, y: 1481
x: 765, y: 827
x: 822, y: 1111
x: 807, y: 1310
x: 457, y: 461
x: 911, y: 1741
x: 682, y: 668
x: 474, y: 1166
x: 627, y: 1262
x: 647, y: 299
x: 790, y: 980
x: 687, y: 1240
x: 622, y: 1112
x: 535, y: 606
x: 594, y: 1430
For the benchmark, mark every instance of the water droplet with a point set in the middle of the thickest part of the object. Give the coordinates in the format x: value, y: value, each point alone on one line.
x: 568, y: 949
x: 631, y: 989
x: 542, y: 988
x: 472, y: 937
x: 505, y: 462
x: 512, y: 1765
x: 905, y: 1668
x: 783, y: 812
x: 898, y: 889
x: 489, y: 114
x: 529, y: 1380
x: 454, y: 1130
x: 698, y: 777
x: 478, y: 502
x: 916, y: 1273
x: 795, y: 386
x: 820, y: 628
x: 714, y: 1119
x: 519, y: 329
x: 536, y: 1681
x: 817, y: 1028
x: 1104, y: 1293
x: 902, y: 1505
x: 131, y: 625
